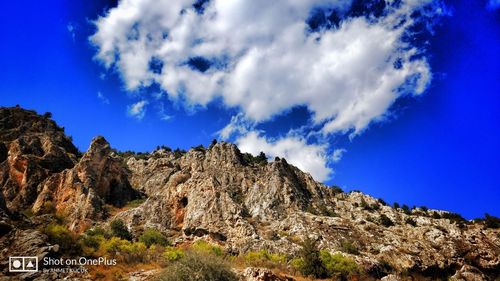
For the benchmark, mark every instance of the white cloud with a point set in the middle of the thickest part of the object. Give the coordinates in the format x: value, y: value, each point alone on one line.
x: 238, y: 125
x: 102, y: 97
x: 311, y: 158
x: 345, y: 76
x: 138, y: 109
x: 267, y: 60
x: 337, y: 154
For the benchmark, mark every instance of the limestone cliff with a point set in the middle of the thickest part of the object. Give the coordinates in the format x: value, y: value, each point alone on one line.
x: 223, y: 196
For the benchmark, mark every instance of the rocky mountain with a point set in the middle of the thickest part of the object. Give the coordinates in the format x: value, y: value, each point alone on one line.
x: 223, y: 196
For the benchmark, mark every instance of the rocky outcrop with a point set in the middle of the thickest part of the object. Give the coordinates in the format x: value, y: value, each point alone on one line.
x: 217, y: 195
x: 225, y: 197
x: 80, y: 194
x: 32, y: 147
x: 40, y: 171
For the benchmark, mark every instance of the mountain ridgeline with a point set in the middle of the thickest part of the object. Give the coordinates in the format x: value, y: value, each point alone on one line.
x: 237, y: 203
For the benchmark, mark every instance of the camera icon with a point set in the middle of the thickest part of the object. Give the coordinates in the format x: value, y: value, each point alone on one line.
x: 23, y: 264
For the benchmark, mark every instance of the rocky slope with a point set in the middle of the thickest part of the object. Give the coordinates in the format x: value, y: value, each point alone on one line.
x: 223, y: 196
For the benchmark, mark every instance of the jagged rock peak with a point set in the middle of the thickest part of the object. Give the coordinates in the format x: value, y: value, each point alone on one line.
x: 32, y: 147
x: 16, y: 122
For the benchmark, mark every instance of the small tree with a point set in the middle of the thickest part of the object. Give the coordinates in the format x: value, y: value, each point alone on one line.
x: 119, y: 229
x: 311, y: 261
x: 153, y: 237
x: 491, y: 221
x: 262, y: 158
x: 411, y: 221
x: 386, y: 221
x: 336, y: 189
x: 212, y: 144
x: 396, y: 205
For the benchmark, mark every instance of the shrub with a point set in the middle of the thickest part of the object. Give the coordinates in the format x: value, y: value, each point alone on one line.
x: 129, y: 251
x: 249, y: 159
x: 406, y: 209
x: 491, y: 221
x: 349, y: 247
x: 119, y: 229
x: 48, y: 208
x: 336, y: 189
x: 205, y: 247
x: 436, y: 215
x: 411, y: 222
x: 381, y: 201
x: 199, y: 148
x: 113, y: 245
x: 91, y: 243
x: 173, y: 254
x: 178, y: 153
x: 198, y: 267
x: 263, y: 258
x: 60, y: 235
x: 363, y: 204
x: 96, y: 231
x: 311, y: 264
x: 338, y: 265
x: 261, y: 158
x: 385, y: 220
x: 396, y: 205
x: 453, y: 217
x: 153, y: 236
x: 135, y: 203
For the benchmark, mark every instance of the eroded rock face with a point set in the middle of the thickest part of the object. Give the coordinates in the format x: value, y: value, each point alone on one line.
x: 32, y: 147
x: 219, y: 195
x: 216, y: 195
x: 81, y: 193
x: 40, y: 171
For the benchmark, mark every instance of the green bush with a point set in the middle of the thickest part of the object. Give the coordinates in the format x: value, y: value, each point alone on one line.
x: 130, y: 252
x: 406, y: 209
x: 199, y: 148
x: 411, y: 222
x: 153, y: 237
x: 385, y: 221
x: 60, y: 235
x: 91, y: 243
x: 96, y: 231
x: 491, y: 221
x: 198, y: 267
x: 336, y: 189
x: 173, y: 254
x: 263, y: 258
x: 338, y: 265
x: 249, y: 159
x: 119, y: 229
x: 205, y: 247
x: 349, y: 247
x: 135, y: 203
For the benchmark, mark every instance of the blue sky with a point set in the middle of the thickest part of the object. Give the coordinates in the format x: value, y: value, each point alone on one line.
x: 434, y: 143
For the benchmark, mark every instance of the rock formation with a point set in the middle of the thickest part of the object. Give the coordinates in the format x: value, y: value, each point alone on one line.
x: 221, y: 195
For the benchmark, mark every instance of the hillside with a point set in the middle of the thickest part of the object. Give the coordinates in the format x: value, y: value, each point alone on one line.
x: 238, y: 203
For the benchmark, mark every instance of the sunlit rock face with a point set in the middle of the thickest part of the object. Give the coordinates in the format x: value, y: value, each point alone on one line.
x: 219, y: 194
